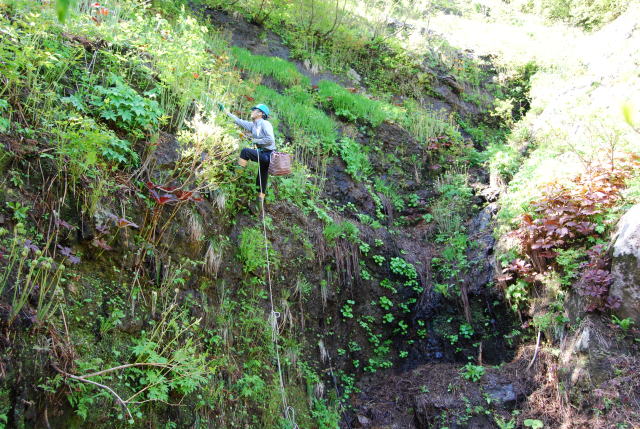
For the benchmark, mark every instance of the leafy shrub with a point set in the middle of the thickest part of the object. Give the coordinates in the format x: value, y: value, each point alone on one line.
x: 179, y: 49
x: 595, y: 281
x: 83, y: 145
x: 354, y: 155
x: 252, y: 250
x: 296, y: 187
x: 325, y: 416
x: 251, y: 387
x: 565, y: 215
x: 281, y: 70
x: 122, y: 105
x: 472, y: 372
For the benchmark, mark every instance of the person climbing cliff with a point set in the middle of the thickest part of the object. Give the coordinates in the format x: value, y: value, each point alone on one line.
x: 263, y: 138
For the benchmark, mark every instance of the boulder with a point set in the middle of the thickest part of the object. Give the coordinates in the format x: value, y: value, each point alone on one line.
x: 354, y: 76
x: 625, y: 265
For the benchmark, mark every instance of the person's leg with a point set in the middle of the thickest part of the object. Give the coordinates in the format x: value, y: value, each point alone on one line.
x: 263, y: 174
x: 247, y: 154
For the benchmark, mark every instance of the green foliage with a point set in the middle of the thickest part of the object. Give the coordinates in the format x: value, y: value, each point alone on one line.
x: 251, y: 387
x: 403, y: 268
x: 624, y: 324
x: 122, y: 105
x: 533, y: 423
x: 466, y: 330
x: 346, y: 230
x: 570, y: 261
x: 587, y: 14
x: 4, y: 122
x: 505, y: 424
x: 502, y: 160
x: 450, y: 208
x: 312, y: 126
x: 354, y: 107
x: 62, y: 8
x: 29, y: 274
x: 83, y: 146
x: 347, y: 309
x: 251, y: 251
x: 385, y: 303
x: 426, y: 125
x: 325, y: 416
x: 281, y: 70
x: 355, y: 156
x: 472, y: 372
x: 297, y: 187
x: 517, y: 294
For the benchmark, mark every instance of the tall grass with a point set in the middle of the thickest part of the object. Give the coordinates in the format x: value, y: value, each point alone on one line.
x: 355, y: 107
x: 301, y: 118
x: 281, y: 70
x: 424, y: 124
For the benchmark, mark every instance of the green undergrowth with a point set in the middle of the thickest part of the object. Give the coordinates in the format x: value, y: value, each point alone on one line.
x: 355, y: 107
x: 124, y: 187
x: 328, y: 34
x: 281, y: 70
x: 95, y: 97
x: 295, y: 107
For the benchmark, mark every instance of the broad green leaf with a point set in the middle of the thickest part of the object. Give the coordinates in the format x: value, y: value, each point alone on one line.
x: 109, y: 114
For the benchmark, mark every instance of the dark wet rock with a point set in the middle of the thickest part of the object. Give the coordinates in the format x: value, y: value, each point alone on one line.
x: 342, y: 188
x: 505, y: 394
x: 167, y: 152
x: 131, y: 326
x: 362, y: 421
x: 480, y: 232
x: 452, y: 82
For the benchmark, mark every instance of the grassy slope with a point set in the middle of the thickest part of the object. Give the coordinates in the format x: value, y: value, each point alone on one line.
x: 98, y: 99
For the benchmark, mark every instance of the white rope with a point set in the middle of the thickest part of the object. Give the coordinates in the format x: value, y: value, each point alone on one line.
x: 288, y: 411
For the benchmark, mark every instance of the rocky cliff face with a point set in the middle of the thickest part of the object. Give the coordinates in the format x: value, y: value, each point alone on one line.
x: 625, y: 265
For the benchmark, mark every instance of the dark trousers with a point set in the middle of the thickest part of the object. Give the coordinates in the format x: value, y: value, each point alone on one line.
x: 265, y: 159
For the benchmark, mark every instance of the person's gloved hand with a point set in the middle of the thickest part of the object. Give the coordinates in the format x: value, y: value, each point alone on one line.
x: 221, y: 107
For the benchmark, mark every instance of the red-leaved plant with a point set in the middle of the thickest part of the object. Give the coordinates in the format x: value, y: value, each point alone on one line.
x: 568, y: 216
x: 595, y: 281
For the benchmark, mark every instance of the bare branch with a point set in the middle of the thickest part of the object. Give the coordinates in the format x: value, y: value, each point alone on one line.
x: 107, y: 388
x: 129, y: 365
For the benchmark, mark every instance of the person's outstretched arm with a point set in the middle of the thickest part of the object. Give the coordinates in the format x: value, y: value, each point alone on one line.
x: 244, y: 124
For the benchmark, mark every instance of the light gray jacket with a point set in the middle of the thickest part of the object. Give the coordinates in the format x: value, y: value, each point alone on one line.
x: 261, y: 132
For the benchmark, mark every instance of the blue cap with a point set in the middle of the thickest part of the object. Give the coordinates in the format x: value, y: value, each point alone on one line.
x: 263, y: 108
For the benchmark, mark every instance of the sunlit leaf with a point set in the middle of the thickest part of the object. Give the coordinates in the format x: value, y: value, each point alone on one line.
x: 627, y: 112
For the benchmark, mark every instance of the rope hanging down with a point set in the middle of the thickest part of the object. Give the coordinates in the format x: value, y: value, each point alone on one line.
x: 288, y: 411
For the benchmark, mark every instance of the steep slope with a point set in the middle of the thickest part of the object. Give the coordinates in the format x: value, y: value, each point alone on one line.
x: 134, y: 270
